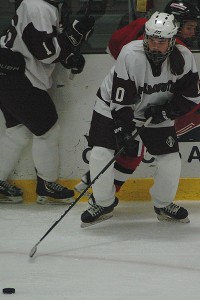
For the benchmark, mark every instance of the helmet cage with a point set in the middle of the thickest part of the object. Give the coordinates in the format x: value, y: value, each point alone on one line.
x: 157, y: 56
x: 161, y: 26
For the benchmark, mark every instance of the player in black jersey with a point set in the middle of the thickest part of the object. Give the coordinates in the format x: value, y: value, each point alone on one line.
x: 29, y: 50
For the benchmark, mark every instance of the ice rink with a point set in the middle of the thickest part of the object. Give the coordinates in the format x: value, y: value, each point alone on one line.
x: 131, y: 256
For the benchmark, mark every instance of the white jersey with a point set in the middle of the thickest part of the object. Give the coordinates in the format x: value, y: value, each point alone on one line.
x: 132, y: 85
x: 33, y: 33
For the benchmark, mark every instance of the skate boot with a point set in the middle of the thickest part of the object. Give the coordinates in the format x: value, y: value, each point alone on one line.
x: 10, y: 193
x: 172, y: 212
x: 53, y: 193
x: 82, y: 185
x: 96, y: 213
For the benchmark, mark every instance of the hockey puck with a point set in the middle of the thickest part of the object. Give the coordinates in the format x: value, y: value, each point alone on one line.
x: 8, y: 291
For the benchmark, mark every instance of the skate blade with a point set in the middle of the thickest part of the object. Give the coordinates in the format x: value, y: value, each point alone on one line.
x: 101, y: 219
x: 42, y: 200
x: 10, y: 200
x: 168, y: 219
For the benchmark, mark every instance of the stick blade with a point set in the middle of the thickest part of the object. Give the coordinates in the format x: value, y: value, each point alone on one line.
x: 33, y: 250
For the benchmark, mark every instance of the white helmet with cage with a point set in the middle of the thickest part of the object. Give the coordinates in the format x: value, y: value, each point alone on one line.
x: 161, y: 26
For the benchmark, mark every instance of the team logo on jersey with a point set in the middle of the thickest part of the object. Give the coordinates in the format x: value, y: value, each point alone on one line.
x: 156, y: 88
x: 170, y: 141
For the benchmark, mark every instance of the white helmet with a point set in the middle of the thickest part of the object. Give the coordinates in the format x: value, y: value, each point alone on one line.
x: 162, y: 26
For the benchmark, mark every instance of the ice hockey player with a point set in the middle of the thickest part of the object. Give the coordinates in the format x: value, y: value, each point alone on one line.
x: 151, y: 78
x: 187, y: 16
x: 29, y: 50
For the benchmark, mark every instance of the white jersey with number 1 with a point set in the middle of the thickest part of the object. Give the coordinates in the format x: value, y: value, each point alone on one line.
x: 33, y: 33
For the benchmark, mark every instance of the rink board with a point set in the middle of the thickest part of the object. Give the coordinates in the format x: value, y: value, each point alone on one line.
x: 136, y: 189
x: 74, y: 100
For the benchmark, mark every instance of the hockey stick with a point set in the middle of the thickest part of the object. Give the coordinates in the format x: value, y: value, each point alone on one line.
x: 77, y: 52
x: 65, y: 14
x: 34, y: 249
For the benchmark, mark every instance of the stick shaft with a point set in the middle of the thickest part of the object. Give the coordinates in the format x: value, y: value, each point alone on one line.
x: 93, y: 181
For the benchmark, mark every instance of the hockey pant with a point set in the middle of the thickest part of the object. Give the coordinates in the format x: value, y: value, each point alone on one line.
x: 166, y: 177
x: 44, y: 151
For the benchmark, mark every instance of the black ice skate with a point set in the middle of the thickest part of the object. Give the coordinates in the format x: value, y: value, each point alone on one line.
x: 96, y: 213
x: 10, y: 193
x: 53, y: 193
x: 172, y: 212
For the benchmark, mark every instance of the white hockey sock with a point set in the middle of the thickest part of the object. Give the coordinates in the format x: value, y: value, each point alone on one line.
x: 11, y: 146
x: 166, y: 179
x: 103, y: 188
x: 46, y: 155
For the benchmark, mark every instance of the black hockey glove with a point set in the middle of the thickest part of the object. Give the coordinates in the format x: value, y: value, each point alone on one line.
x: 123, y: 134
x: 159, y: 113
x: 75, y: 62
x: 80, y: 30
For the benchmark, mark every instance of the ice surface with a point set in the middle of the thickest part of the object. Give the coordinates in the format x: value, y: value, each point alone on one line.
x: 131, y: 256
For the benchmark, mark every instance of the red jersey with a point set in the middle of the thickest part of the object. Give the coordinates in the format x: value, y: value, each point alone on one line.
x: 125, y: 35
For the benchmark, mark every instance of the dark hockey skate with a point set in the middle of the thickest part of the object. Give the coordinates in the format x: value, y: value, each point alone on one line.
x: 53, y: 193
x: 10, y: 193
x: 172, y: 212
x: 96, y: 213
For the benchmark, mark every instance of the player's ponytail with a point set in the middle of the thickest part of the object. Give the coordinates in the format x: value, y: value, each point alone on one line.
x: 177, y: 61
